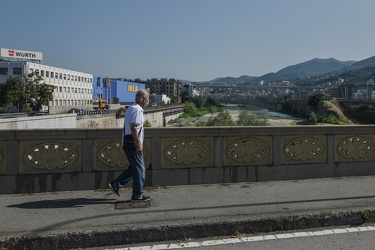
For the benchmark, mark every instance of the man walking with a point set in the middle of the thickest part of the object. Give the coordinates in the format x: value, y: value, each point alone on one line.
x: 132, y: 143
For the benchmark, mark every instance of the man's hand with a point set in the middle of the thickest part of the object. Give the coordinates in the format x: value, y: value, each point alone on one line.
x: 139, y: 149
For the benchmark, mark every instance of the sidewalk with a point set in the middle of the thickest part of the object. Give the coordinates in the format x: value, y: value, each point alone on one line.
x: 64, y: 220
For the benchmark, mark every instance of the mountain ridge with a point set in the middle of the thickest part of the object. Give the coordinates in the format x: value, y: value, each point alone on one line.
x: 313, y: 67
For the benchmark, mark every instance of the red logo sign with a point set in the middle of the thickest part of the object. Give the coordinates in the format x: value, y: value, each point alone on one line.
x: 11, y: 52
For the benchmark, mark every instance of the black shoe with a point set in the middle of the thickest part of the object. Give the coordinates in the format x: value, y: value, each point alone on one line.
x: 140, y: 198
x: 114, y: 187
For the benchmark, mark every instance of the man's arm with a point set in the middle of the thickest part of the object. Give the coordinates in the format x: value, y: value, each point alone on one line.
x: 138, y: 145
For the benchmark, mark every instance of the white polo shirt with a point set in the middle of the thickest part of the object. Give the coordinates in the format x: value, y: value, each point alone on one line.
x: 134, y: 116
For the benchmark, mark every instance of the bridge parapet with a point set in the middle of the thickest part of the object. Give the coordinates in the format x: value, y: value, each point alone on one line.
x: 77, y: 159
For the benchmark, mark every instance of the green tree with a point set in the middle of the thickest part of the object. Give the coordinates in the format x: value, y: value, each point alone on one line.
x: 174, y: 99
x: 190, y: 108
x: 29, y: 96
x: 198, y: 100
x: 10, y: 92
x: 38, y: 93
x: 212, y: 102
x: 313, y: 120
x: 314, y: 100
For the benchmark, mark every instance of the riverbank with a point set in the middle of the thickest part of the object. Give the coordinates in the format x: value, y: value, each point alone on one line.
x: 274, y: 118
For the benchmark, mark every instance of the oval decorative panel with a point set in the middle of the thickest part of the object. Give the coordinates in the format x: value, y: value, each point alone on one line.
x: 51, y: 156
x: 187, y: 152
x: 303, y: 149
x: 247, y: 150
x: 113, y: 155
x: 355, y: 147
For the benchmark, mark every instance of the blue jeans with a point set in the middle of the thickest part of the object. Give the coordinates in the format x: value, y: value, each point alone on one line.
x: 135, y: 171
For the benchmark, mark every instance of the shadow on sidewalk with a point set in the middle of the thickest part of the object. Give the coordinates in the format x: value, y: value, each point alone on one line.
x: 80, y: 202
x: 62, y: 203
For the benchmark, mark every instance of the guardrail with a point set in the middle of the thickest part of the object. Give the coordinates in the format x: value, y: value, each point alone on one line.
x: 77, y: 159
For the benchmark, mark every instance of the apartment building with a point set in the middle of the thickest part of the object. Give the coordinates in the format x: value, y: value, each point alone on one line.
x: 170, y: 87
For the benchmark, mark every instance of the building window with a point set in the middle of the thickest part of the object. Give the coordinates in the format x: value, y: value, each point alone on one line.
x: 47, y: 73
x: 17, y: 71
x: 64, y: 76
x: 3, y: 71
x: 42, y: 73
x: 51, y: 74
x: 60, y: 76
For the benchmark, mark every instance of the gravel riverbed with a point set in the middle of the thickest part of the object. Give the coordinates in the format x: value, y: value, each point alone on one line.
x: 274, y: 118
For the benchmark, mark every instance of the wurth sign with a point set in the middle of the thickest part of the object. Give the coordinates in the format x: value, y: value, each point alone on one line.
x: 21, y: 54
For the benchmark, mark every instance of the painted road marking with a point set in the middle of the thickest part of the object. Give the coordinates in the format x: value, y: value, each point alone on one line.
x: 249, y: 239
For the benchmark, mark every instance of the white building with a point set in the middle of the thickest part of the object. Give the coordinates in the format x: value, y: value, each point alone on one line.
x: 360, y: 94
x: 159, y: 99
x: 72, y: 88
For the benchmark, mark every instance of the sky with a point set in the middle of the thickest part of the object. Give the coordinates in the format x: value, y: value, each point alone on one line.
x: 194, y: 40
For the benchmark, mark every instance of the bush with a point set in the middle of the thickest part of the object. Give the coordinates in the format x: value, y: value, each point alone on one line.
x: 332, y: 120
x: 222, y: 119
x: 147, y: 123
x: 361, y: 108
x: 245, y: 119
x: 313, y: 120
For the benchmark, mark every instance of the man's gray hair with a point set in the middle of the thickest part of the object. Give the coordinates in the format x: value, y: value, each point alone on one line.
x: 142, y: 93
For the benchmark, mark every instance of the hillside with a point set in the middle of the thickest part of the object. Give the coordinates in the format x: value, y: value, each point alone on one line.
x: 310, y: 72
x: 313, y: 67
x: 365, y: 63
x: 231, y: 80
x: 353, y: 75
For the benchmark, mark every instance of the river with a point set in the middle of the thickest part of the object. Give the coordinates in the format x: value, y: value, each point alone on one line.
x: 274, y: 118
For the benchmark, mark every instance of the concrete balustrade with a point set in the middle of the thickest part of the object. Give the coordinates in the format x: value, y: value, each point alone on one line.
x: 76, y: 159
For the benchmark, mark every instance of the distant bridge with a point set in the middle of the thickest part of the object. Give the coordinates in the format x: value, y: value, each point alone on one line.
x: 258, y: 87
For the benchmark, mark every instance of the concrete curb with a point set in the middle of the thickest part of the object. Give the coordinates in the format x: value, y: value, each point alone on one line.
x: 227, y: 226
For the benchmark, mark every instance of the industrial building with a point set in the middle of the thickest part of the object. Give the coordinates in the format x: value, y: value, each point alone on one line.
x: 115, y: 91
x: 72, y: 88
